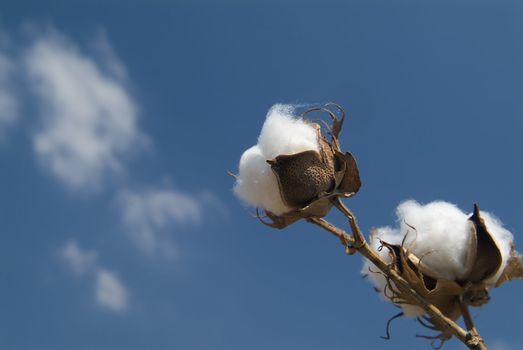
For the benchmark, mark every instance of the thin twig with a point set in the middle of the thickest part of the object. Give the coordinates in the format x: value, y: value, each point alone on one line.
x: 359, y: 238
x: 475, y: 338
x: 467, y: 318
x: 346, y: 240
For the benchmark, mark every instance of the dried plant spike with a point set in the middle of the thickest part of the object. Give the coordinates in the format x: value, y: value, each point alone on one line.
x: 488, y: 256
x: 337, y: 123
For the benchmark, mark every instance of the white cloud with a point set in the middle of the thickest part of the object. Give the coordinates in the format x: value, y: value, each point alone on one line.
x: 89, y: 119
x: 8, y: 101
x: 80, y: 262
x: 110, y: 292
x: 149, y: 214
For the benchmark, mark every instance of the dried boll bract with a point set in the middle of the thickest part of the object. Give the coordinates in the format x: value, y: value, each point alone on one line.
x: 294, y: 171
x: 446, y: 256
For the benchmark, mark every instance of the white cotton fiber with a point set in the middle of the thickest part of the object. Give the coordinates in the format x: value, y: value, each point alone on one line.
x: 441, y: 236
x: 282, y: 133
x: 256, y: 183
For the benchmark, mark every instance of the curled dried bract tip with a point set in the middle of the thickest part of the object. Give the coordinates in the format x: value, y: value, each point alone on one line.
x: 337, y: 123
x: 278, y: 222
x: 387, y: 330
x: 438, y: 341
x: 308, y: 181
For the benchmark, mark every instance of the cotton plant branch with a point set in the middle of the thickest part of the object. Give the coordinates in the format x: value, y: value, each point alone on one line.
x: 469, y: 323
x: 356, y: 242
x: 436, y: 264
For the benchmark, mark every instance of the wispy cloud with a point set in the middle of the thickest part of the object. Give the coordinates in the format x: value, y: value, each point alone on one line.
x: 109, y: 292
x: 89, y: 120
x: 79, y: 261
x: 150, y: 215
x: 107, y: 56
x: 8, y: 100
x: 87, y: 125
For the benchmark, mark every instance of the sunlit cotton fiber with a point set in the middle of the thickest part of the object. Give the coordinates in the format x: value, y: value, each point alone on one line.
x: 282, y: 133
x: 440, y: 233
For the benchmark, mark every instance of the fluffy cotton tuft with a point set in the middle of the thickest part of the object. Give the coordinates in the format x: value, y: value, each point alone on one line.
x: 282, y: 133
x: 441, y: 236
x: 257, y: 184
x: 439, y: 232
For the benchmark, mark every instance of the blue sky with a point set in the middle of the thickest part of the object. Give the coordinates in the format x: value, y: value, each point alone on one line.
x: 119, y: 121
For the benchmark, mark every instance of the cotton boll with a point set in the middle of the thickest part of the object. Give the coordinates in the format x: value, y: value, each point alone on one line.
x: 441, y: 236
x: 256, y: 184
x: 282, y: 133
x: 503, y: 239
x: 295, y: 171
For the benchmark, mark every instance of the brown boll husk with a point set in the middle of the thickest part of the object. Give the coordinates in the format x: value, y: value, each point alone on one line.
x: 303, y: 177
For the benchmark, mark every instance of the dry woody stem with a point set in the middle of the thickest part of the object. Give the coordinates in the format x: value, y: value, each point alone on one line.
x: 355, y: 242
